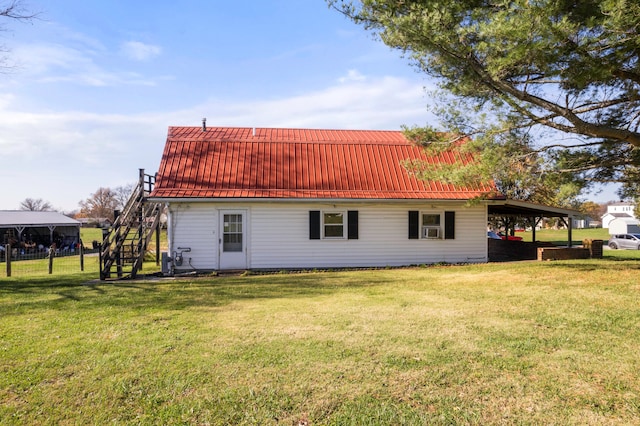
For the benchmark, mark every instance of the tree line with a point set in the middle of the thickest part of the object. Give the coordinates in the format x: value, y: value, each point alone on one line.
x: 98, y: 207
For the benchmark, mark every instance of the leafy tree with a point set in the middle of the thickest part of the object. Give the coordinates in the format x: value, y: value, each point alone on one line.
x: 35, y: 205
x: 593, y: 209
x: 101, y: 204
x: 561, y: 78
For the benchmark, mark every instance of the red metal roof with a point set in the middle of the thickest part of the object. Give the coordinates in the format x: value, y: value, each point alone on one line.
x: 228, y: 162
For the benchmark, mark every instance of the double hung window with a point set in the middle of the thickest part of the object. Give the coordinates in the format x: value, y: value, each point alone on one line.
x: 333, y: 224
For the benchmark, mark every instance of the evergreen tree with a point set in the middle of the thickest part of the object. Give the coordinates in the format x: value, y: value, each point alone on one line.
x: 549, y: 88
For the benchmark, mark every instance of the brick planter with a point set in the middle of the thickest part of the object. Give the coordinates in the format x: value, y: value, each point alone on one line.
x: 563, y: 253
x: 594, y: 246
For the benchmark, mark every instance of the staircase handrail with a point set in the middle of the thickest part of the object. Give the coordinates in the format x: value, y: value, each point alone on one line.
x: 146, y: 239
x: 113, y: 241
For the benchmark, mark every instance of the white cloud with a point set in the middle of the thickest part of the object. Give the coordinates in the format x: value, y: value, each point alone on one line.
x: 352, y: 75
x: 55, y: 63
x: 139, y: 51
x: 65, y: 156
x: 6, y: 99
x: 364, y: 102
x: 44, y: 58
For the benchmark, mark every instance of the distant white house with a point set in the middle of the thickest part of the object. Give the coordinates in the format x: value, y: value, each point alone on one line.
x: 581, y: 222
x: 618, y: 211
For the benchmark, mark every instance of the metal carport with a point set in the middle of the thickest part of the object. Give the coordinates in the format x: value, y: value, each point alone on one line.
x: 518, y: 210
x: 42, y: 226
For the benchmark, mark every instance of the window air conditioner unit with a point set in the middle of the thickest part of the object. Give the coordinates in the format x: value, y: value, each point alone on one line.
x: 431, y: 232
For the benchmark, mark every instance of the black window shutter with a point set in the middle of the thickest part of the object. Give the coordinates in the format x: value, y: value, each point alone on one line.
x: 314, y: 224
x: 414, y: 225
x: 449, y: 225
x: 352, y: 224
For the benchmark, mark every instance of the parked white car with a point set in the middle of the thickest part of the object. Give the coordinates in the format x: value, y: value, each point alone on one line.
x: 625, y: 241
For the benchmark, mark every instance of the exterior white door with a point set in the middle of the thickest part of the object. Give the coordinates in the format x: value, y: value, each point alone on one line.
x: 233, y: 239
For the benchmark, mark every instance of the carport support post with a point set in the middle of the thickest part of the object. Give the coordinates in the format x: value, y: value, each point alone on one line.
x: 534, y: 224
x: 570, y: 228
x: 51, y: 228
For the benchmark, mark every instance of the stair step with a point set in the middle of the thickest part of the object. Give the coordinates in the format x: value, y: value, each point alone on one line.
x: 132, y: 231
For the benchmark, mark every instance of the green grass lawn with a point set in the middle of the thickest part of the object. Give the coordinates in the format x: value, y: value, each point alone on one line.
x: 514, y: 343
x: 559, y: 236
x: 70, y: 264
x: 89, y: 234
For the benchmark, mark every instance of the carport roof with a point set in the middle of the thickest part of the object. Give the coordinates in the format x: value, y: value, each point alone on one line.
x: 526, y: 209
x: 13, y: 218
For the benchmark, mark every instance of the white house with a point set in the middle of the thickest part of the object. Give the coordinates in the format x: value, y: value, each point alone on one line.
x: 243, y: 198
x: 582, y: 222
x: 620, y: 210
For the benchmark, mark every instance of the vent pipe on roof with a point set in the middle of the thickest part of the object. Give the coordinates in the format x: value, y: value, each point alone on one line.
x: 254, y: 131
x: 204, y: 124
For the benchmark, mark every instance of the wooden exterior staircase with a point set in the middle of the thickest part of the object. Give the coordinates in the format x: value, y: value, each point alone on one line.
x: 124, y: 245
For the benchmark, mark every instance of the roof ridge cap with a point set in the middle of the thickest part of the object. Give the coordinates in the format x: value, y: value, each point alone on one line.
x: 287, y: 128
x: 271, y: 141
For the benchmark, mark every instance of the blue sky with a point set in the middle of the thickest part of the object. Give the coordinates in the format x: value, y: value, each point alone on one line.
x: 95, y: 84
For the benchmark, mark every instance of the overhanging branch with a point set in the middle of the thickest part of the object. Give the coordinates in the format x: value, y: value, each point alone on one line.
x: 579, y: 126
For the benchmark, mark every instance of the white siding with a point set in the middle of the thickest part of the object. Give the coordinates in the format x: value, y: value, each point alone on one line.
x: 194, y: 226
x: 278, y: 236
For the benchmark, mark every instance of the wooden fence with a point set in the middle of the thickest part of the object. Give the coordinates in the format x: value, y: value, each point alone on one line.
x: 48, y: 261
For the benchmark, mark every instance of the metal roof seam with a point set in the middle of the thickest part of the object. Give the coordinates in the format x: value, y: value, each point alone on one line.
x: 320, y: 162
